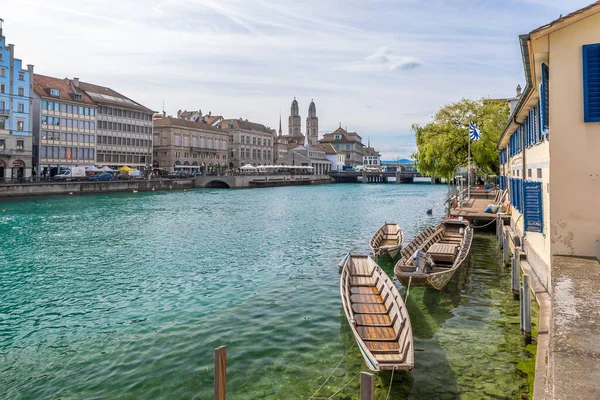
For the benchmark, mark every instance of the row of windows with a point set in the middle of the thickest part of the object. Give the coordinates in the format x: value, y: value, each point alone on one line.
x: 68, y: 137
x: 123, y: 141
x: 68, y: 123
x: 20, y: 107
x: 256, y: 154
x: 69, y: 153
x: 68, y: 108
x: 21, y: 75
x: 118, y: 112
x: 117, y: 126
x: 20, y: 124
x: 20, y: 90
x: 198, y: 155
x: 337, y: 147
x: 255, y: 140
x: 503, y: 157
x: 121, y: 158
x: 218, y: 144
x: 20, y: 144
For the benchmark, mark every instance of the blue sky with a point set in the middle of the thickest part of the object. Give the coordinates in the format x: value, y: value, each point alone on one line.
x: 375, y: 66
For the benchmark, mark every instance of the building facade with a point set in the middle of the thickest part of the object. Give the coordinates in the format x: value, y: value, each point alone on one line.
x: 182, y: 145
x: 337, y: 159
x: 312, y: 124
x: 64, y: 126
x: 549, y: 149
x: 124, y: 128
x: 347, y: 143
x: 249, y: 142
x: 16, y: 138
x: 310, y: 157
x: 371, y: 157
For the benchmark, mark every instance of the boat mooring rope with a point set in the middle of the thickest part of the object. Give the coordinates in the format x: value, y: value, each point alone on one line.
x: 330, y: 375
x: 342, y: 388
x: 390, y: 387
x: 483, y: 226
x: 408, y: 288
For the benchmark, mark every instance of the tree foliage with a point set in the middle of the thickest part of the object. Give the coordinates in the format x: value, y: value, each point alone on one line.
x: 442, y: 144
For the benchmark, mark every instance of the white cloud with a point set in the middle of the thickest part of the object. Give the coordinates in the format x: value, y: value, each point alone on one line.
x: 249, y: 58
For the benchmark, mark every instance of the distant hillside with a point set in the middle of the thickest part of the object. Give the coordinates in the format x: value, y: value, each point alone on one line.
x: 400, y: 161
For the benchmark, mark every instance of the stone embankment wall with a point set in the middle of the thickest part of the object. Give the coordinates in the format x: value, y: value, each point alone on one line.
x: 58, y: 188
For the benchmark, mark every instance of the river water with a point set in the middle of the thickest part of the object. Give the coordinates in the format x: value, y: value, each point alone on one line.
x: 127, y: 295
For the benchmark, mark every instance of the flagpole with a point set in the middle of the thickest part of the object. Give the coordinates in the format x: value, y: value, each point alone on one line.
x: 469, y: 168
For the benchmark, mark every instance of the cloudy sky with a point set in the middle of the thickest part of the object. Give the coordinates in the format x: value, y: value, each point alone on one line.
x: 375, y: 66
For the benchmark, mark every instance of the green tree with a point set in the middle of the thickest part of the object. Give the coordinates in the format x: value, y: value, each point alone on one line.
x: 442, y: 144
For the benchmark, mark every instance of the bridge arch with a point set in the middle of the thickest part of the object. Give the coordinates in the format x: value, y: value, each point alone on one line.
x: 217, y: 184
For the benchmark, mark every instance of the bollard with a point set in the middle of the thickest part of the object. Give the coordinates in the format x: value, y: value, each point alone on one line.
x: 506, y: 248
x: 367, y: 386
x: 220, y: 372
x: 516, y: 265
x: 526, y: 308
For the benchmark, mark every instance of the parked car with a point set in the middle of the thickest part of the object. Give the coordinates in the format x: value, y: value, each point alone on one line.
x: 179, y: 175
x: 104, y: 177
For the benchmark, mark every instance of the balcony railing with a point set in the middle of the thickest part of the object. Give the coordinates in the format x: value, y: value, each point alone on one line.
x: 4, y: 111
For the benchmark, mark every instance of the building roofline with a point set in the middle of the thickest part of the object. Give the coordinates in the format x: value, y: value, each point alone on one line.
x: 524, y: 42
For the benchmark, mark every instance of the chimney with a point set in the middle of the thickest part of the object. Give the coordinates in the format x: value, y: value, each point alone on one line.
x: 30, y: 69
x: 518, y: 90
x: 210, y: 113
x: 178, y: 114
x: 76, y: 82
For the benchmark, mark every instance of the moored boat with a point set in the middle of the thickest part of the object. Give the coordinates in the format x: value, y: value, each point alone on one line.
x: 377, y: 315
x: 433, y: 257
x: 387, y: 241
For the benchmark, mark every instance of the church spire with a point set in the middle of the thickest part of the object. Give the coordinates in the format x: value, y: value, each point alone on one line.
x: 280, y: 131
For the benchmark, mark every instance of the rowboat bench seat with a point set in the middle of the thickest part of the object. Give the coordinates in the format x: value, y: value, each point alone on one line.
x: 443, y: 251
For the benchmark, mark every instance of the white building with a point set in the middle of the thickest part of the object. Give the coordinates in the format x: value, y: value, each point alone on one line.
x: 337, y: 159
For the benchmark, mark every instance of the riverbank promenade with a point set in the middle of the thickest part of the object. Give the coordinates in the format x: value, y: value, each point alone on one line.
x: 574, y: 348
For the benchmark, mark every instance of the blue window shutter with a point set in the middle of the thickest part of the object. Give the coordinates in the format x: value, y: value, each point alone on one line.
x: 533, y: 214
x: 591, y: 82
x: 526, y: 129
x: 545, y: 97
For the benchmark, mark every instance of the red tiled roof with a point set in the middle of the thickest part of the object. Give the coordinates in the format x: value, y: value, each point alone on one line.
x: 326, y: 147
x: 369, y: 151
x: 244, y: 124
x: 170, y: 121
x: 104, y: 95
x: 42, y: 85
x: 347, y: 137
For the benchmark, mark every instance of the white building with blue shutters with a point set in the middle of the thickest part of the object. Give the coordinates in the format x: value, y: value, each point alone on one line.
x: 550, y: 148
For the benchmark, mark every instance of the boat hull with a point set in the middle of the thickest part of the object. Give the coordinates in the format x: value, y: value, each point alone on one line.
x: 448, y: 243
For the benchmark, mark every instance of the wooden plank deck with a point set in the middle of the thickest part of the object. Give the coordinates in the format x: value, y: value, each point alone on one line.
x: 473, y: 209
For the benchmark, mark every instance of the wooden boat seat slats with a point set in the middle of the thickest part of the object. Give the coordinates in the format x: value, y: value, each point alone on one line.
x: 367, y: 299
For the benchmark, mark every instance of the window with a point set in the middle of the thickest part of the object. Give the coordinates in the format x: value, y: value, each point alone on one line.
x: 177, y: 140
x: 21, y: 91
x: 21, y: 76
x: 77, y: 96
x: 20, y: 144
x: 20, y: 126
x: 55, y: 93
x: 533, y: 210
x: 591, y: 83
x: 338, y: 137
x: 529, y: 173
x: 2, y: 144
x: 186, y: 141
x: 21, y: 107
x: 539, y: 173
x: 2, y: 71
x: 2, y: 88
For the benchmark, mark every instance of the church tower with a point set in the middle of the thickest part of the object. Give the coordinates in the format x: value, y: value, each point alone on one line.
x: 312, y: 124
x: 295, y: 123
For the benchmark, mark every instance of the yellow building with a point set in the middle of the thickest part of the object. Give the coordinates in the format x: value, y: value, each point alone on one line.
x: 550, y: 149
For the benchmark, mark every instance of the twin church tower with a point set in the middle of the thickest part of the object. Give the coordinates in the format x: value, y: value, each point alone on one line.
x: 295, y: 124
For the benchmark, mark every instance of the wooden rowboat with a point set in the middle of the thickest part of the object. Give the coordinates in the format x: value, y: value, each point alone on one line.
x: 448, y: 245
x: 387, y: 241
x: 377, y: 315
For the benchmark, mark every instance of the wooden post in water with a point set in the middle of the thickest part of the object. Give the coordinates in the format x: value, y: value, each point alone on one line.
x: 526, y: 307
x: 506, y: 248
x: 516, y: 266
x: 499, y: 231
x: 367, y: 386
x: 220, y: 372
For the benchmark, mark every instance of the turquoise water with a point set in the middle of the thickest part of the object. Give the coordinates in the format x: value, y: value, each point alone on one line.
x: 127, y: 295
